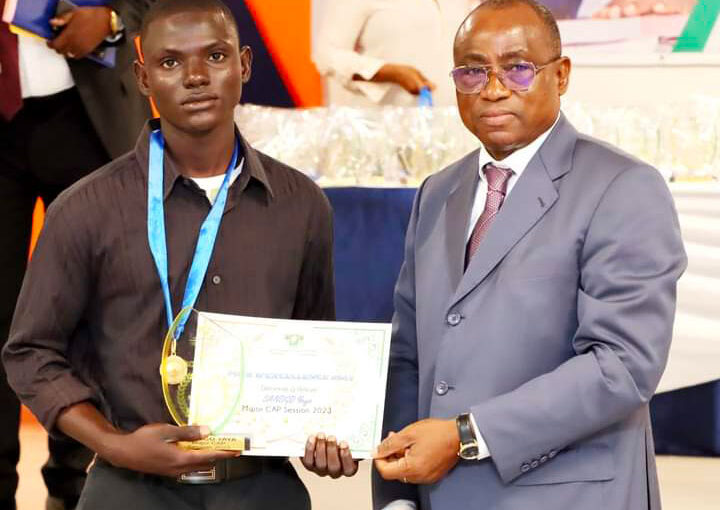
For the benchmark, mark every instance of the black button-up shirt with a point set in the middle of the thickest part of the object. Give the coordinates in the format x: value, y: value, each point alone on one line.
x: 90, y: 319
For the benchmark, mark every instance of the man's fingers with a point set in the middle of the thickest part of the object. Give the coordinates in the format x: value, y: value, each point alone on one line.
x: 349, y: 466
x: 333, y: 457
x: 62, y: 20
x: 60, y: 43
x: 393, y: 444
x: 391, y: 469
x: 187, y: 433
x: 308, y: 460
x: 320, y: 455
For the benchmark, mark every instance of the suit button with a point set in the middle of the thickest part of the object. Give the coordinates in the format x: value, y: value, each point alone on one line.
x: 216, y: 280
x: 442, y: 388
x: 534, y: 464
x: 552, y: 454
x: 525, y: 468
x: 543, y: 459
x: 454, y: 319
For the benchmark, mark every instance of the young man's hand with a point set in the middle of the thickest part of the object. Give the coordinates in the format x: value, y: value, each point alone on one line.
x: 327, y: 457
x: 152, y: 449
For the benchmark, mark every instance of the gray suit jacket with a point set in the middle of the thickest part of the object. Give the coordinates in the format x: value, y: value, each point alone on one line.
x: 110, y: 95
x: 555, y: 337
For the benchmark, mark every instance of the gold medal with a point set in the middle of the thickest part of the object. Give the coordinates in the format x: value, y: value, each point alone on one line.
x: 175, y: 369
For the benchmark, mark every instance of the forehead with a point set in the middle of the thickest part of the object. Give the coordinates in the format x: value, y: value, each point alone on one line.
x: 189, y: 28
x: 490, y: 34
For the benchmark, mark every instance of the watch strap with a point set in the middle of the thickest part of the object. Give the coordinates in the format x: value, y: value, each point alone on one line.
x: 468, y: 442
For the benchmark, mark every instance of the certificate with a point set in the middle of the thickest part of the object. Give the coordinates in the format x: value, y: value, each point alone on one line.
x: 271, y: 383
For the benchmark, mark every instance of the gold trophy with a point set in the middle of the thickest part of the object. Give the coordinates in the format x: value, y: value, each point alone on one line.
x: 196, y: 393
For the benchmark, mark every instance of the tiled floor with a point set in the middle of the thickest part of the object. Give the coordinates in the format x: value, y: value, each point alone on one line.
x: 688, y: 483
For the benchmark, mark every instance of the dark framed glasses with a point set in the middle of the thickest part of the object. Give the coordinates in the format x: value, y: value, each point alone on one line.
x: 517, y: 76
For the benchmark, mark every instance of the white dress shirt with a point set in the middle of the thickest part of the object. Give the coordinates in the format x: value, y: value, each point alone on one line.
x: 43, y: 71
x: 360, y: 36
x: 517, y: 162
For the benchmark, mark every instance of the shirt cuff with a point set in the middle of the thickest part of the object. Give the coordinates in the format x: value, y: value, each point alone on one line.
x: 400, y: 504
x: 483, y: 451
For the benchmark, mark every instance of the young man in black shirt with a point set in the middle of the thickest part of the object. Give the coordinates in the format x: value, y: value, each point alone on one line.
x: 86, y: 338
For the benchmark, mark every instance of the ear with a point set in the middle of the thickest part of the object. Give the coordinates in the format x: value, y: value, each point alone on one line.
x: 141, y: 77
x: 246, y: 58
x: 563, y: 74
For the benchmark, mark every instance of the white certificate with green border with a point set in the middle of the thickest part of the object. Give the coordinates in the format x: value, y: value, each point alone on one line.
x: 275, y: 382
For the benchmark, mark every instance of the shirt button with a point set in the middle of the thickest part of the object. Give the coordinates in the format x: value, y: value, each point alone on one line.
x: 543, y: 459
x: 525, y: 468
x: 216, y: 279
x: 442, y: 388
x: 454, y: 319
x: 534, y: 464
x: 552, y: 454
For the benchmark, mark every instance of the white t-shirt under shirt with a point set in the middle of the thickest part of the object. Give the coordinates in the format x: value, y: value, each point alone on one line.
x: 211, y: 185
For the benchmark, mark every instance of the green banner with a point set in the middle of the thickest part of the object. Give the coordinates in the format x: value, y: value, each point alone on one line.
x: 698, y: 28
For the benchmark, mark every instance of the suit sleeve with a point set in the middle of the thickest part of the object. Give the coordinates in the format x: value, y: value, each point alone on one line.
x: 52, y: 301
x: 401, y: 400
x: 630, y: 263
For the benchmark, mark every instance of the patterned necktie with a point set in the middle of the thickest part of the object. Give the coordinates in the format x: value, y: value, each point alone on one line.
x: 497, y: 181
x: 10, y: 95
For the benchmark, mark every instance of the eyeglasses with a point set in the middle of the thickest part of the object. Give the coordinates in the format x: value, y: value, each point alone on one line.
x: 518, y: 76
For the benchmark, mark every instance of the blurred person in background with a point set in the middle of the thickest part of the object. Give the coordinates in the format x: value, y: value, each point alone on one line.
x: 61, y: 116
x: 383, y: 52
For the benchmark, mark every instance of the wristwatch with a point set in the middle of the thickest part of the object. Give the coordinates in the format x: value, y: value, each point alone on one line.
x: 468, y: 442
x: 117, y: 28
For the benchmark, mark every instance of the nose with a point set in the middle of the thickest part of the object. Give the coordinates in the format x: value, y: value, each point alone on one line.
x: 196, y: 73
x: 494, y: 89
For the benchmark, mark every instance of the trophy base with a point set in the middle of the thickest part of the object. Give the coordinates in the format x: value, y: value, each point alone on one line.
x: 228, y: 443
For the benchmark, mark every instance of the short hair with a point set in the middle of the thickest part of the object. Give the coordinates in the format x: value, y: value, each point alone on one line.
x: 164, y: 8
x: 546, y: 17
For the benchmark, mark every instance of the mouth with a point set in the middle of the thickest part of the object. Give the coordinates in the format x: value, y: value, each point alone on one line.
x: 195, y: 102
x: 496, y: 118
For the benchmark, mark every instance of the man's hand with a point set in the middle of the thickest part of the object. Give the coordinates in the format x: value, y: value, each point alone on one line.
x: 151, y: 449
x: 407, y: 77
x: 629, y: 8
x: 422, y: 452
x: 84, y: 29
x: 328, y: 457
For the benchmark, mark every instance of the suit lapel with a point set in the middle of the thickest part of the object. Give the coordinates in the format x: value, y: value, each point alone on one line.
x: 457, y: 216
x: 531, y: 198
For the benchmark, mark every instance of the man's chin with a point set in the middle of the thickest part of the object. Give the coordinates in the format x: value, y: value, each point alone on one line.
x: 499, y: 143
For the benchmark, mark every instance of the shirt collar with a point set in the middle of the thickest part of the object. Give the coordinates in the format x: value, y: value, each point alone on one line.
x: 247, y: 157
x: 518, y: 160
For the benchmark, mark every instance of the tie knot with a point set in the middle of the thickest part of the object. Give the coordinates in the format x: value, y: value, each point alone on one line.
x: 497, y: 177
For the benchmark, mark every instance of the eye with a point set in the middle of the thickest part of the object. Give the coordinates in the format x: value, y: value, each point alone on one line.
x: 217, y: 56
x: 474, y: 71
x: 169, y: 63
x: 518, y: 67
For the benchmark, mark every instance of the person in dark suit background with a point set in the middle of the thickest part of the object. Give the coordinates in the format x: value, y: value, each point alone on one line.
x: 61, y: 116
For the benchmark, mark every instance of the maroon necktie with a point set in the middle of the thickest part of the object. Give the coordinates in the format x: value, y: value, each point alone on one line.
x: 497, y: 180
x: 10, y: 94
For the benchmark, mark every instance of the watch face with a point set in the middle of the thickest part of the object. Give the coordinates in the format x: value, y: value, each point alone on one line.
x: 469, y: 452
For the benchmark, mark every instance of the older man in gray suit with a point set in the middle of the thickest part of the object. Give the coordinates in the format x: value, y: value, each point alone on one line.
x: 534, y: 309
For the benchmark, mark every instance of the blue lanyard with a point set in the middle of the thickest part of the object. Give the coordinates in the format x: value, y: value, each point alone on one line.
x: 156, y: 230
